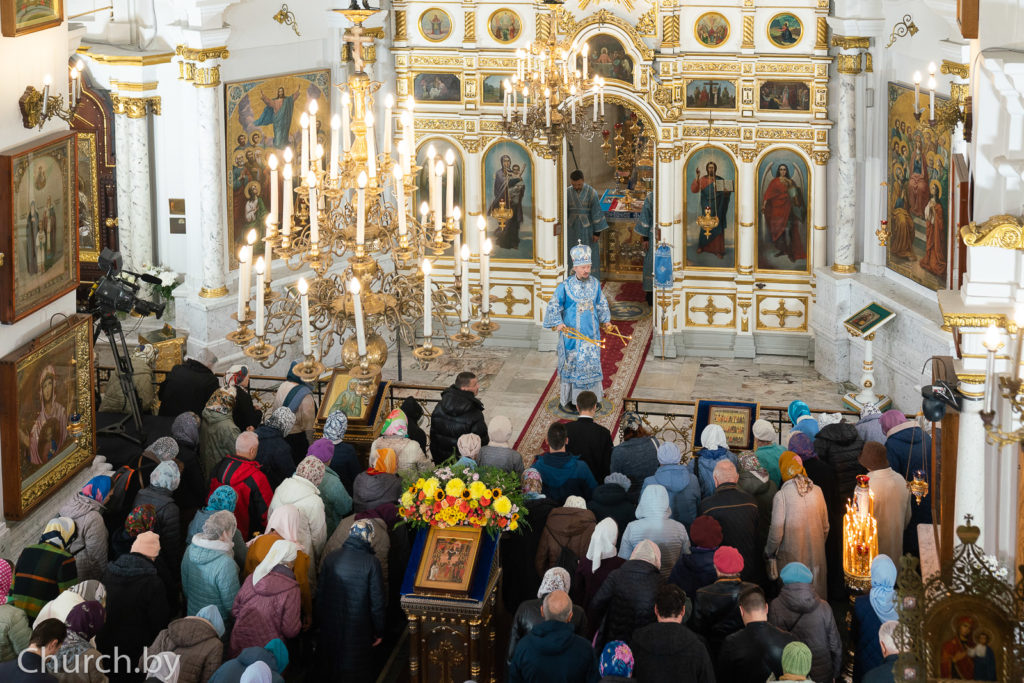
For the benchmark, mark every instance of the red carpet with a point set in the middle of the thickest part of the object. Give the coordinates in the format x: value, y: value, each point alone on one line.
x: 621, y: 364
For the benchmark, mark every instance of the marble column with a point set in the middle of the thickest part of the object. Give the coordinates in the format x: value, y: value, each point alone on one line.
x: 474, y: 201
x: 134, y: 195
x: 212, y: 212
x: 548, y: 264
x: 970, y: 461
x: 848, y: 64
x: 124, y: 190
x: 747, y: 246
x: 819, y: 209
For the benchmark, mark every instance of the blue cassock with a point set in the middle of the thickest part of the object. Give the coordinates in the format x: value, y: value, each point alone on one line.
x: 645, y: 228
x: 586, y: 219
x: 580, y: 304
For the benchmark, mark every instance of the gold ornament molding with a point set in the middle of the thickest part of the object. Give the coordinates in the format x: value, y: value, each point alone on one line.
x: 851, y: 42
x: 605, y: 18
x: 401, y: 32
x: 822, y: 39
x: 470, y: 30
x: 670, y: 31
x: 1003, y: 231
x: 709, y: 309
x: 647, y: 25
x: 126, y: 60
x: 783, y: 313
x: 848, y: 64
x: 201, y: 55
x: 844, y: 268
x: 215, y: 293
x: 135, y: 107
x: 748, y: 32
x: 820, y: 157
x: 125, y: 86
x: 955, y: 69
x: 207, y: 77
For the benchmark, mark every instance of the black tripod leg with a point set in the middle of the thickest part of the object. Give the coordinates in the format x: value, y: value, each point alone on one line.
x: 123, y: 366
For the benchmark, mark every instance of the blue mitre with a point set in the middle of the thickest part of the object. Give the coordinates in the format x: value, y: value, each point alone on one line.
x: 580, y: 255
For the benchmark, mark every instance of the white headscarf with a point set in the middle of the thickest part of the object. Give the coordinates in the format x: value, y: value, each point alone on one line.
x: 555, y: 579
x: 290, y: 525
x: 164, y: 666
x: 602, y: 543
x: 575, y: 502
x: 281, y: 551
x: 826, y: 419
x: 713, y: 438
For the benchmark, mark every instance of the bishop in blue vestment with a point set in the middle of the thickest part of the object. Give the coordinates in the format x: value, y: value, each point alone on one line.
x: 578, y: 302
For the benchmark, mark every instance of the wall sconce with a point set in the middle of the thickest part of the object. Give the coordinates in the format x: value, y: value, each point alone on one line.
x: 286, y: 17
x: 39, y: 107
x: 943, y: 115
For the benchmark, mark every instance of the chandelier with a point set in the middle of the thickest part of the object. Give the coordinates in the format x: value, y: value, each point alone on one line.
x: 546, y: 97
x: 344, y: 214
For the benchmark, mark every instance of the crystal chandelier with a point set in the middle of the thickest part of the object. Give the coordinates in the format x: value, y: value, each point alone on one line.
x: 344, y: 215
x: 546, y: 98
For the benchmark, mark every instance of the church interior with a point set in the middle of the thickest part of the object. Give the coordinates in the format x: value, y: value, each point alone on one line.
x: 661, y: 218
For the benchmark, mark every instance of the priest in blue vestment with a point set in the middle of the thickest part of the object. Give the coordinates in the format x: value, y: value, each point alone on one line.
x: 578, y: 302
x: 586, y: 219
x: 645, y: 228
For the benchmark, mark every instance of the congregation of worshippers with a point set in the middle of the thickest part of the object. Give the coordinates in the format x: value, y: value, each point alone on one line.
x: 242, y: 549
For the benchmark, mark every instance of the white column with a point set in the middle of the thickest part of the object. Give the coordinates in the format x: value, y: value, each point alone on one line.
x: 141, y: 206
x: 747, y: 215
x: 124, y: 189
x: 844, y: 247
x: 548, y: 261
x: 970, y: 460
x: 212, y: 212
x: 819, y: 210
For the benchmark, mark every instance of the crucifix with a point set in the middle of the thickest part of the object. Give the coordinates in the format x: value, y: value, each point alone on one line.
x: 356, y: 37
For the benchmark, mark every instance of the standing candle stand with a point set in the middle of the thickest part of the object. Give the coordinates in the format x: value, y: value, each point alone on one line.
x: 865, y: 323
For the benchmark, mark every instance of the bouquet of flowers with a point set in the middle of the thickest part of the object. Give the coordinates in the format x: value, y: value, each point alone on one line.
x: 168, y: 280
x: 485, y: 498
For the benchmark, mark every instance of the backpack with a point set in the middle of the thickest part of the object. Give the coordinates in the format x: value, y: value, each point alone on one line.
x: 567, y: 559
x: 125, y: 483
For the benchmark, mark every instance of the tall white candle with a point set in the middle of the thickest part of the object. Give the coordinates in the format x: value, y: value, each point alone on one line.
x: 314, y: 220
x: 314, y: 108
x: 547, y: 107
x: 307, y: 338
x: 595, y: 102
x: 345, y: 134
x: 428, y: 322
x: 439, y: 172
x: 457, y: 244
x: 481, y: 226
x: 259, y: 297
x: 268, y: 251
x: 389, y: 104
x: 244, y: 279
x: 371, y: 147
x: 931, y: 98
x: 917, y: 90
x: 431, y: 177
x: 357, y: 314
x: 485, y: 275
x: 73, y: 93
x: 586, y: 53
x: 465, y: 284
x: 272, y: 163
x: 286, y: 204
x: 400, y: 201
x: 304, y: 134
x: 449, y: 160
x: 335, y: 133
x: 361, y: 209
x: 526, y: 103
x: 46, y: 93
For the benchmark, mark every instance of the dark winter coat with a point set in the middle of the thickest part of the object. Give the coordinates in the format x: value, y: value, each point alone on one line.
x: 197, y: 644
x: 593, y: 443
x: 520, y: 580
x: 274, y: 455
x: 413, y: 412
x: 586, y: 582
x: 625, y: 601
x: 373, y: 490
x: 611, y: 500
x: 43, y: 571
x: 168, y: 521
x: 908, y: 450
x: 798, y: 610
x: 716, y: 611
x: 569, y: 528
x: 552, y: 653
x: 231, y: 671
x: 137, y: 609
x: 245, y: 413
x: 683, y: 490
x: 346, y: 463
x: 864, y: 633
x: 191, y: 492
x: 666, y: 652
x: 739, y: 515
x: 188, y: 386
x: 824, y: 477
x: 694, y: 571
x: 764, y: 494
x: 458, y: 412
x: 637, y: 458
x: 350, y: 610
x: 29, y: 670
x: 840, y: 445
x: 529, y: 614
x: 564, y: 475
x: 884, y: 672
x: 252, y: 487
x: 753, y: 654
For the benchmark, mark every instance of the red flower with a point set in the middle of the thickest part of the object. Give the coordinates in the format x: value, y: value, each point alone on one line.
x: 450, y: 500
x: 464, y: 507
x: 502, y: 522
x: 485, y: 501
x: 422, y: 495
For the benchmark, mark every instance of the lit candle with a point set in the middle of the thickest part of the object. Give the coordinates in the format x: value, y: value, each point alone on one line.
x: 307, y: 340
x: 449, y: 160
x: 506, y: 87
x: 428, y: 321
x: 481, y: 226
x: 268, y: 249
x: 586, y: 53
x: 439, y: 172
x: 259, y: 297
x: 335, y: 132
x: 526, y: 103
x: 74, y: 87
x: 547, y: 107
x: 410, y: 148
x: 314, y: 108
x: 345, y: 140
x: 286, y: 204
x: 424, y: 212
x: 272, y: 163
x: 46, y: 93
x: 389, y: 104
x: 361, y: 209
x: 431, y: 178
x: 314, y: 220
x: 400, y: 201
x: 595, y: 99
x: 78, y: 81
x: 917, y: 90
x: 371, y: 148
x: 931, y: 98
x: 357, y: 313
x: 304, y: 135
x: 457, y: 244
x: 600, y: 90
x: 465, y: 284
x: 572, y: 103
x: 485, y: 275
x: 244, y: 279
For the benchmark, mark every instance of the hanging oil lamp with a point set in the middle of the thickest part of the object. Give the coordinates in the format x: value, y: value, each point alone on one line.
x: 918, y: 486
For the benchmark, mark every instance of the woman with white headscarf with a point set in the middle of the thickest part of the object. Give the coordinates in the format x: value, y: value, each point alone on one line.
x: 714, y: 447
x: 601, y: 560
x: 285, y: 523
x: 268, y: 605
x: 529, y: 613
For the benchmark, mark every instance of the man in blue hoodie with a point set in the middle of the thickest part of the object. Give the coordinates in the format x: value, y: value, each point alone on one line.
x: 563, y: 474
x: 552, y: 651
x: 679, y: 481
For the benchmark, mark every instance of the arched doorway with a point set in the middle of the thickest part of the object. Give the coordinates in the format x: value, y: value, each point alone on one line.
x: 619, y: 164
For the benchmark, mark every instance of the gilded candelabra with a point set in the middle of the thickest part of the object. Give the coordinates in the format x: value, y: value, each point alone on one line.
x: 629, y: 152
x: 344, y: 216
x: 860, y: 536
x: 39, y: 106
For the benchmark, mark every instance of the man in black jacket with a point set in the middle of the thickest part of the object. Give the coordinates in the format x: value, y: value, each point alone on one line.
x: 739, y: 516
x: 46, y: 639
x: 716, y: 613
x: 591, y: 441
x: 666, y: 650
x: 753, y: 654
x: 458, y: 412
x: 188, y: 386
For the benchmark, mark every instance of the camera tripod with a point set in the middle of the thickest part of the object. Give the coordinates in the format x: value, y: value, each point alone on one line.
x: 110, y: 325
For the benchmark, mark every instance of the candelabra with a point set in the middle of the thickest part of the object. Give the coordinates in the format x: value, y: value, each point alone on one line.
x: 343, y: 216
x: 1010, y: 385
x: 945, y: 114
x: 552, y: 89
x: 860, y: 536
x: 37, y: 107
x: 628, y: 152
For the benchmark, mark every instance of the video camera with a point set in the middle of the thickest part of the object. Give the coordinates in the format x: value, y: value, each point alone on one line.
x: 115, y: 292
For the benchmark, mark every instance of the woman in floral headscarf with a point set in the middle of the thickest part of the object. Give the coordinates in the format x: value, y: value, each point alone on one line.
x: 344, y: 460
x: 519, y: 573
x: 218, y: 431
x: 78, y: 660
x: 91, y: 545
x: 529, y: 613
x: 799, y: 522
x: 14, y: 629
x: 616, y: 662
x: 394, y: 434
x: 141, y: 518
x: 379, y: 484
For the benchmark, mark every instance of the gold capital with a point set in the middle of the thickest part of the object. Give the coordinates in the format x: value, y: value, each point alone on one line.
x: 851, y: 42
x: 955, y: 68
x: 135, y: 107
